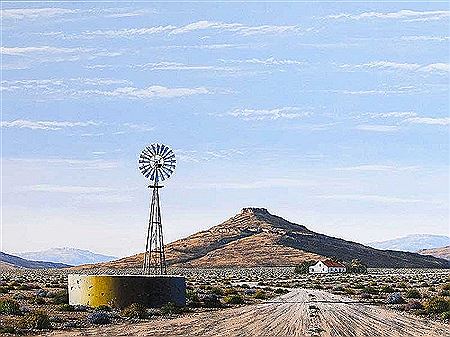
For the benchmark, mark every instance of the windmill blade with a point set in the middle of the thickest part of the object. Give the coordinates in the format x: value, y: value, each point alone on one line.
x: 154, y: 149
x: 148, y: 151
x: 165, y: 150
x: 168, y: 154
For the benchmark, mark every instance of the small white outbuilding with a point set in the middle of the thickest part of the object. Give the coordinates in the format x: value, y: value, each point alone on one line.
x: 327, y: 266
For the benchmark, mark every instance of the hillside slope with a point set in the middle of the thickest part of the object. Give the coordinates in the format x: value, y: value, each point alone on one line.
x: 441, y: 252
x: 10, y: 261
x: 255, y: 237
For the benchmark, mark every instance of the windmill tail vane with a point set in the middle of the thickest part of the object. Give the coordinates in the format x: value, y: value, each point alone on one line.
x: 156, y: 163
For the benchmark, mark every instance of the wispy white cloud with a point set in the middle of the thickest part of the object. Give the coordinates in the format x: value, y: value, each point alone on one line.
x: 404, y: 15
x: 436, y: 67
x: 195, y: 156
x: 388, y: 65
x: 238, y: 28
x: 46, y: 13
x: 379, y: 168
x: 382, y: 65
x: 35, y: 13
x: 377, y: 128
x: 211, y: 46
x: 82, y: 87
x: 393, y: 90
x: 45, y: 125
x: 154, y: 91
x: 271, y: 61
x: 425, y: 38
x: 178, y: 66
x: 372, y: 198
x: 429, y: 120
x: 66, y: 189
x: 58, y: 85
x: 68, y: 163
x: 391, y: 114
x: 26, y: 57
x: 199, y: 26
x: 120, y: 33
x: 256, y: 184
x: 266, y: 114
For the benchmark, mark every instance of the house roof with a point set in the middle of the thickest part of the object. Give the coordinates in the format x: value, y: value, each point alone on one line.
x: 331, y: 263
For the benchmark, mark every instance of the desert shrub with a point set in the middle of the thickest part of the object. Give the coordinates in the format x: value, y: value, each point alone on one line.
x: 370, y: 290
x: 402, y: 285
x: 65, y: 307
x: 192, y: 297
x: 61, y: 297
x: 230, y: 291
x: 437, y: 305
x: 356, y: 267
x: 349, y: 291
x: 37, y: 300
x: 24, y: 287
x: 170, y: 309
x: 365, y: 296
x: 317, y: 286
x: 4, y: 290
x: 245, y: 286
x: 8, y: 329
x: 303, y: 268
x: 413, y: 293
x: 233, y: 299
x: 211, y: 301
x: 260, y: 294
x: 36, y: 320
x: 387, y: 289
x: 413, y: 305
x: 9, y: 307
x: 218, y: 291
x: 395, y: 298
x: 446, y: 286
x: 103, y: 307
x: 445, y: 315
x: 135, y: 310
x: 444, y: 292
x: 99, y: 317
x: 281, y: 291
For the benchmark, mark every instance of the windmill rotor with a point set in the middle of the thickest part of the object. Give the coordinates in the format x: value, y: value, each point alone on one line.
x: 157, y: 162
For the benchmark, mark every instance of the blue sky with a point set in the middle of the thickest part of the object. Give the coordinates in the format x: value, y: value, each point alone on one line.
x: 331, y: 115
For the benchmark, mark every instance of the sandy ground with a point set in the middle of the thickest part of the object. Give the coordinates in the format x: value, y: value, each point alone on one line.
x: 301, y: 312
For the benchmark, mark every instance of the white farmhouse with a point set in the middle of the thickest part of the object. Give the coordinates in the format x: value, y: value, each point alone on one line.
x: 327, y: 266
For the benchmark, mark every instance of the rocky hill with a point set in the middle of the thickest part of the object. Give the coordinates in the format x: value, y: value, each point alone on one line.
x: 255, y: 237
x: 441, y: 252
x: 8, y: 261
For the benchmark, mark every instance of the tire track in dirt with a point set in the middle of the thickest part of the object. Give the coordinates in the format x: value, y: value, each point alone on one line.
x: 302, y: 312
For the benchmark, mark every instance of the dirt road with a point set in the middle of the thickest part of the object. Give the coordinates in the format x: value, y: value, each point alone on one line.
x: 299, y: 313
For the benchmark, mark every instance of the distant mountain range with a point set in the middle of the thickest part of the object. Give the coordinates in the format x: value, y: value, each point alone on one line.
x: 441, y: 252
x: 413, y: 243
x: 70, y: 256
x: 8, y: 261
x: 254, y: 237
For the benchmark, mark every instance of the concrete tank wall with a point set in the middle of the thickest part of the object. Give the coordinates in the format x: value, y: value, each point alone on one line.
x: 123, y: 290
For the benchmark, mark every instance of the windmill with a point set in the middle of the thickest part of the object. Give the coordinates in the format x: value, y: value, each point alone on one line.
x: 156, y: 163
